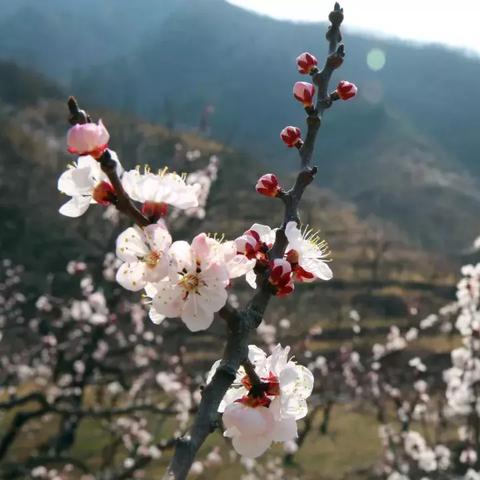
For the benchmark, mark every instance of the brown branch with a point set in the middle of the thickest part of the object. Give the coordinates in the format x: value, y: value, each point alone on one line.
x: 241, y: 324
x: 122, y: 201
x: 17, y: 401
x: 20, y: 419
x: 252, y: 374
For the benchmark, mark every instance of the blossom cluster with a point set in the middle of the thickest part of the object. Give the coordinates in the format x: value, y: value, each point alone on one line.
x: 181, y: 279
x: 255, y: 415
x: 305, y: 258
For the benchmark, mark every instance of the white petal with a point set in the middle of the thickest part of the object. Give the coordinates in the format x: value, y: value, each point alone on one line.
x: 263, y: 230
x: 318, y: 267
x: 304, y: 386
x: 132, y: 276
x: 201, y: 249
x: 75, y: 181
x: 248, y: 420
x: 251, y: 278
x: 232, y: 395
x: 256, y: 355
x: 158, y: 272
x: 288, y: 376
x: 168, y: 300
x: 87, y: 161
x: 215, y: 276
x: 150, y: 290
x: 196, y: 315
x: 181, y: 254
x: 158, y: 237
x: 292, y: 232
x: 131, y: 245
x: 212, y: 298
x: 284, y: 430
x: 151, y: 188
x: 129, y: 183
x: 75, y: 207
x: 240, y: 265
x: 251, y: 446
x: 155, y: 317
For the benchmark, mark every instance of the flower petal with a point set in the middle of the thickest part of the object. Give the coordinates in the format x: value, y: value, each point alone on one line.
x: 132, y: 276
x: 195, y: 314
x: 75, y: 207
x: 168, y: 299
x: 284, y: 430
x: 251, y: 446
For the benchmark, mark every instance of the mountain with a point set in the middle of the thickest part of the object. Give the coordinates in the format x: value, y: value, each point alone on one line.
x: 405, y: 150
x: 58, y: 38
x: 32, y: 156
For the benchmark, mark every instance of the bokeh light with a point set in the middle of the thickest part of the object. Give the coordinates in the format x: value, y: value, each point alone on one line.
x: 376, y: 59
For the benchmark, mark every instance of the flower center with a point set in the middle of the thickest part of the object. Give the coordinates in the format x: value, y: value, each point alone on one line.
x: 259, y: 395
x: 152, y: 259
x: 189, y: 282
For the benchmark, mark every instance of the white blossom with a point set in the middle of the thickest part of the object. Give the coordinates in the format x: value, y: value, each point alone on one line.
x: 80, y: 182
x: 144, y: 252
x: 307, y: 254
x: 253, y: 422
x: 196, y: 286
x: 163, y: 187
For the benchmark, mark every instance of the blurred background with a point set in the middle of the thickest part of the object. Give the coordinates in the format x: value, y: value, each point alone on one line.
x: 177, y: 82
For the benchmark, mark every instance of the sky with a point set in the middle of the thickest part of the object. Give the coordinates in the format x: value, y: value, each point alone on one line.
x: 451, y: 22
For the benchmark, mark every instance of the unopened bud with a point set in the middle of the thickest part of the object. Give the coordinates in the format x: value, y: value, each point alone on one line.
x: 304, y: 92
x: 291, y: 136
x: 306, y: 62
x: 346, y: 90
x: 88, y: 139
x: 268, y: 185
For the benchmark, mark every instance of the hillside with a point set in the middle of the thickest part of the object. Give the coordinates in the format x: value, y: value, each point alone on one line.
x: 32, y: 155
x: 404, y: 126
x: 376, y: 268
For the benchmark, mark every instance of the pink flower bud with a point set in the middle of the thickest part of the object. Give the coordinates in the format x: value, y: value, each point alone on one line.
x: 88, y: 139
x: 268, y: 185
x: 304, y: 92
x: 291, y: 136
x: 306, y: 62
x: 346, y: 90
x: 103, y: 193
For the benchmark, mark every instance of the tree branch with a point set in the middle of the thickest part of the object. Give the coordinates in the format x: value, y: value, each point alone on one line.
x: 122, y: 201
x: 241, y: 324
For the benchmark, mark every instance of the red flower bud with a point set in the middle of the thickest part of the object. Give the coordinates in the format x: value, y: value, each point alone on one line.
x: 268, y: 185
x: 304, y: 92
x: 103, y: 193
x: 306, y: 62
x: 291, y: 136
x: 346, y: 90
x: 154, y: 210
